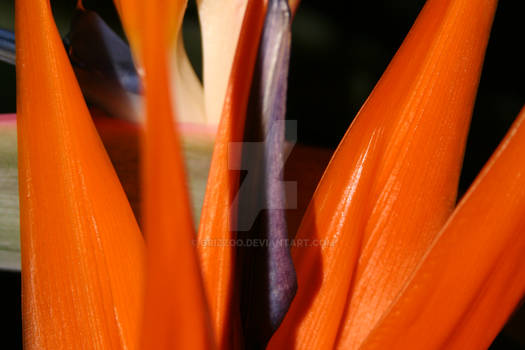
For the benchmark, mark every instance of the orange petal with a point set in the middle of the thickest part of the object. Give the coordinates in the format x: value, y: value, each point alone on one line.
x: 130, y: 14
x: 472, y: 276
x: 82, y: 252
x: 416, y: 187
x: 422, y: 106
x: 216, y: 254
x: 323, y: 263
x: 175, y: 310
x: 294, y: 4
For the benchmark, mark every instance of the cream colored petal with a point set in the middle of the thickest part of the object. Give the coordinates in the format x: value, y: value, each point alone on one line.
x: 220, y: 27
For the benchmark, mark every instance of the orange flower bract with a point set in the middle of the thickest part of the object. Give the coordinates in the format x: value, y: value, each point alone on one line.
x: 82, y: 251
x: 175, y: 316
x: 379, y: 219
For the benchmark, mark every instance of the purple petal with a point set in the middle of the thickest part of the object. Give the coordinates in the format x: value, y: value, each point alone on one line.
x: 104, y: 66
x: 268, y: 281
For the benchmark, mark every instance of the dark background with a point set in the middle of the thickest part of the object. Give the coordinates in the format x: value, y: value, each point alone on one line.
x: 339, y: 51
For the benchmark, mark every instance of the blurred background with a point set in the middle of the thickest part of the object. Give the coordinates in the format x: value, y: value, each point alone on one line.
x: 339, y: 51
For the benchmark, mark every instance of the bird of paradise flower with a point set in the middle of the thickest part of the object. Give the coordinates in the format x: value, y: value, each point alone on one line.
x: 386, y: 201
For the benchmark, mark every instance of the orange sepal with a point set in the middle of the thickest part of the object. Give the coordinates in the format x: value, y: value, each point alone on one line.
x: 420, y: 111
x: 472, y: 277
x: 82, y: 251
x: 416, y: 187
x: 175, y: 310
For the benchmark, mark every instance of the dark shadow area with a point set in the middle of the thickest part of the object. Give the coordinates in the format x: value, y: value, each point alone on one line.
x: 501, y: 93
x: 11, y: 310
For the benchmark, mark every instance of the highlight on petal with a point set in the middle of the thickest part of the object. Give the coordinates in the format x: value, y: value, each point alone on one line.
x: 82, y: 252
x: 420, y: 112
x: 268, y: 282
x: 218, y: 217
x: 413, y: 198
x: 473, y: 275
x: 175, y: 310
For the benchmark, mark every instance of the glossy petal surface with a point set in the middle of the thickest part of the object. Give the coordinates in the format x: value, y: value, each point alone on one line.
x: 471, y: 277
x: 82, y: 252
x: 419, y: 112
